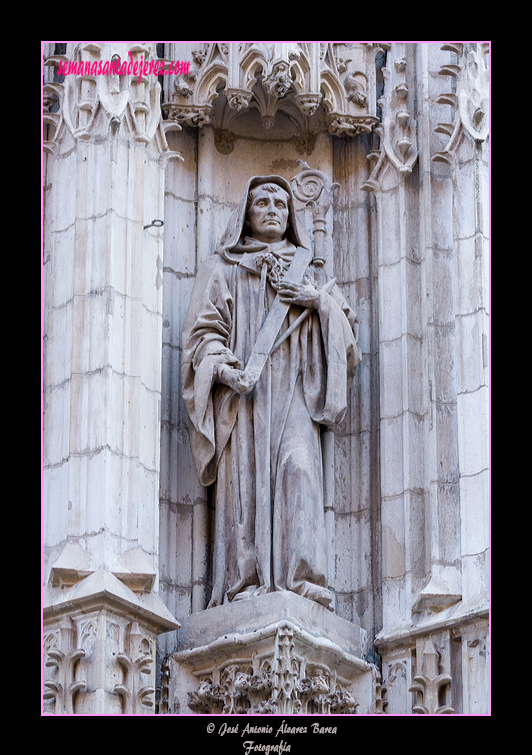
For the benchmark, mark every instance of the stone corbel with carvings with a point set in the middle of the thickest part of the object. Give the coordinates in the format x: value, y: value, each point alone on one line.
x: 289, y: 656
x: 279, y: 682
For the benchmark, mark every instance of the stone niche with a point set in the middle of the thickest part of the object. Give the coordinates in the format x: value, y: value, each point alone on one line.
x: 276, y: 653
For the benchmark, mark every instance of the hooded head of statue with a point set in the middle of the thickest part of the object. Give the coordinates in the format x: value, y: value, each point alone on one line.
x: 238, y: 227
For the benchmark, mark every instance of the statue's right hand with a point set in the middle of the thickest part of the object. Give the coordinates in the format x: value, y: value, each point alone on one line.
x: 235, y: 379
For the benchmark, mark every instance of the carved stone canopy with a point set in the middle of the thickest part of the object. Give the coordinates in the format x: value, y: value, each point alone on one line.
x: 294, y: 77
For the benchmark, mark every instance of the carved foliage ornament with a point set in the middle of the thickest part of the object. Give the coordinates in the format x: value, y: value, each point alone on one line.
x: 431, y: 683
x: 70, y: 643
x: 469, y: 77
x: 137, y: 668
x: 278, y: 682
x: 62, y: 656
x: 397, y: 133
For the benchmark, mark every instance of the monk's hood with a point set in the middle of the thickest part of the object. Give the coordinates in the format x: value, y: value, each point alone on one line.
x: 235, y: 231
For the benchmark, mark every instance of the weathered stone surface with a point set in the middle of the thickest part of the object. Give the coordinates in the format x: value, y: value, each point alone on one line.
x: 401, y: 131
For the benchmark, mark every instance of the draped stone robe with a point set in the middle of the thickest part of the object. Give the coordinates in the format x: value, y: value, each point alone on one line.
x: 262, y: 451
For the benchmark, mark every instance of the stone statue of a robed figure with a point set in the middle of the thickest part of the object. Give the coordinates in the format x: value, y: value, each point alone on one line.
x: 268, y: 359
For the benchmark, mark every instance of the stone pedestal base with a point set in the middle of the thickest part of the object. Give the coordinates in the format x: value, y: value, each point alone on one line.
x: 277, y: 653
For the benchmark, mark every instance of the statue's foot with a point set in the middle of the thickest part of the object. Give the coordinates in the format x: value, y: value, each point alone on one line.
x: 245, y: 593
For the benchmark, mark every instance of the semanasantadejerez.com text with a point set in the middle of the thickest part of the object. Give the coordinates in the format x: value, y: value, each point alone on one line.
x: 117, y: 66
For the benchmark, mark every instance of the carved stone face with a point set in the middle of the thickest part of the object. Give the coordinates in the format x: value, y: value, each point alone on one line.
x: 268, y: 213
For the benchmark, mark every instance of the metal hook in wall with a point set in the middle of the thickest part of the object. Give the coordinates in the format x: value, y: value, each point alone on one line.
x: 155, y: 223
